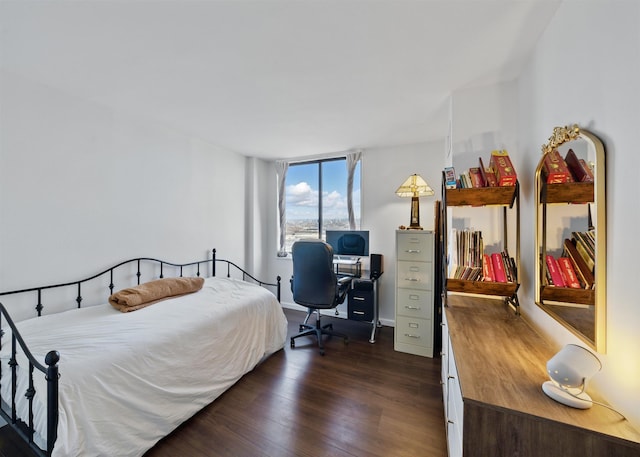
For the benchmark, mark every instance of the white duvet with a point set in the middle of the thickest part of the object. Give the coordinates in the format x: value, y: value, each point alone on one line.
x: 129, y: 379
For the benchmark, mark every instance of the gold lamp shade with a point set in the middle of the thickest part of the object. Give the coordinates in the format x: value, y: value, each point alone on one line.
x: 414, y: 186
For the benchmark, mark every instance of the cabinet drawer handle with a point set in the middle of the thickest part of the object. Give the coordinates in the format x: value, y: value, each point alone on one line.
x: 409, y: 335
x: 359, y: 312
x: 412, y: 251
x: 412, y: 279
x: 416, y: 308
x: 358, y: 298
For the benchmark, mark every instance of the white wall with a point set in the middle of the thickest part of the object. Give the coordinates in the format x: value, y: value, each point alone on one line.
x: 586, y: 70
x: 83, y: 187
x: 383, y: 170
x: 484, y: 119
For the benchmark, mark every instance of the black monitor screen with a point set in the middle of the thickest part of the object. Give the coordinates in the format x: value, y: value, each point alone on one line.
x: 349, y: 242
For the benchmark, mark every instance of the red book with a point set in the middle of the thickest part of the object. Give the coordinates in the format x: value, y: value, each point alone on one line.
x: 503, y: 168
x: 487, y: 269
x: 588, y: 169
x: 569, y: 274
x: 556, y: 168
x: 498, y: 267
x: 578, y: 167
x: 476, y: 177
x: 554, y: 271
x: 488, y: 176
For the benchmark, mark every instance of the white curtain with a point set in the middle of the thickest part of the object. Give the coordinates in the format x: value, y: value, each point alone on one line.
x: 281, y: 169
x: 352, y: 161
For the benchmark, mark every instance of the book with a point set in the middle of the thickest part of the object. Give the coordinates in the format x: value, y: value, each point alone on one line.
x: 588, y: 169
x: 503, y: 168
x: 585, y: 255
x: 488, y: 175
x: 585, y: 245
x: 452, y: 251
x: 555, y: 168
x: 476, y: 177
x: 554, y: 271
x: 509, y: 266
x: 464, y: 181
x: 487, y: 269
x: 498, y: 267
x: 578, y: 167
x: 584, y: 273
x: 450, y: 178
x: 568, y: 273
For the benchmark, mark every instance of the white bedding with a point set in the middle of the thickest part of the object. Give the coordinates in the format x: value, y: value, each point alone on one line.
x: 129, y: 379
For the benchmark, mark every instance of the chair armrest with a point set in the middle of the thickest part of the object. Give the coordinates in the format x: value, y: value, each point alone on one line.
x: 342, y: 287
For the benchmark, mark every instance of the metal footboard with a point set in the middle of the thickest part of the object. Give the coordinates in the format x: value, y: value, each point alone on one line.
x: 8, y: 406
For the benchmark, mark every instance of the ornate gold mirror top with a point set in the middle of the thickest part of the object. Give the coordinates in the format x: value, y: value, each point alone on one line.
x: 570, y: 238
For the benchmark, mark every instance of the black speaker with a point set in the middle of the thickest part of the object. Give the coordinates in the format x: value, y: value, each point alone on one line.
x: 375, y: 265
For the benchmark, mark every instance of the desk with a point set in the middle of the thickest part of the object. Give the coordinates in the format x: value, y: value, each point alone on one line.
x: 348, y: 266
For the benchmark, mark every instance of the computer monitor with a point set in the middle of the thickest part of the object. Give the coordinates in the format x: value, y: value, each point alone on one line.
x: 353, y: 243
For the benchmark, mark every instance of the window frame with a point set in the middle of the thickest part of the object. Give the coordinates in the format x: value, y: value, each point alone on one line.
x: 320, y: 205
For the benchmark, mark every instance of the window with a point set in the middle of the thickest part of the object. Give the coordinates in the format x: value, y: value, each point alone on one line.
x: 316, y: 199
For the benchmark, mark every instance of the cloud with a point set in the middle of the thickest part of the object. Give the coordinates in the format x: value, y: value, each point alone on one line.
x: 301, y: 194
x: 302, y: 203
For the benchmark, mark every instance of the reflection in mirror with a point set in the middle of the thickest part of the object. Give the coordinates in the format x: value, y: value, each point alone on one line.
x: 570, y: 237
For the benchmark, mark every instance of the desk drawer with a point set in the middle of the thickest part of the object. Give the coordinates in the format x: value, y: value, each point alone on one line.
x: 415, y: 275
x: 415, y: 246
x: 414, y: 331
x: 360, y: 305
x: 415, y: 303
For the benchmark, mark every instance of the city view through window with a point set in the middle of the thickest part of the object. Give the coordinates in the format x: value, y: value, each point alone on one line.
x: 316, y: 199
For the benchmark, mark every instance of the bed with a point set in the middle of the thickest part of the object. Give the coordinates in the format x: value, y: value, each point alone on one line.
x: 107, y: 383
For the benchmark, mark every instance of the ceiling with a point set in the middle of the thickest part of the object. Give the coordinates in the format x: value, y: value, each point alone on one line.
x: 275, y: 79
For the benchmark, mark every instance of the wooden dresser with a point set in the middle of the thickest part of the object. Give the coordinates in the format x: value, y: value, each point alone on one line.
x: 493, y: 367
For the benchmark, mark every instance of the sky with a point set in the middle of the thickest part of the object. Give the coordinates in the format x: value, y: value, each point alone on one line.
x: 302, y: 191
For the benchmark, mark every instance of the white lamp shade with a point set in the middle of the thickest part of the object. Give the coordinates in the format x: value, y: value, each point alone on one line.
x: 572, y: 365
x: 570, y: 369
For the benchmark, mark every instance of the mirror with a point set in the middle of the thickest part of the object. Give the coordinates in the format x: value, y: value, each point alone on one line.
x: 571, y: 233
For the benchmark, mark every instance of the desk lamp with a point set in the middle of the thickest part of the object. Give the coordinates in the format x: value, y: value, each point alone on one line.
x: 569, y: 370
x: 414, y: 187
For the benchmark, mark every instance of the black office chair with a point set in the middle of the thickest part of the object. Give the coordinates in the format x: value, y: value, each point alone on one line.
x: 315, y: 285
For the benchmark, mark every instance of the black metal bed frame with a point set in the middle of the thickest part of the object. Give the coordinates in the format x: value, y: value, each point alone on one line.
x: 26, y: 429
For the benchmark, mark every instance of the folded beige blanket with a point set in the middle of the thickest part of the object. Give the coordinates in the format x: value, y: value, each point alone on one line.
x: 146, y: 294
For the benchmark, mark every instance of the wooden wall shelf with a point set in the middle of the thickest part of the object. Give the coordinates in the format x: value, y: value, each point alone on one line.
x: 482, y: 196
x: 575, y: 192
x: 568, y: 295
x: 482, y: 287
x: 506, y: 198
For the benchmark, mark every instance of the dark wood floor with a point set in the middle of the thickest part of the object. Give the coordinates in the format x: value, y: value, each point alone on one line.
x: 360, y: 399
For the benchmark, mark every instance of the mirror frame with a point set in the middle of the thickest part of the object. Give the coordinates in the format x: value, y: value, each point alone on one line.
x: 562, y: 135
